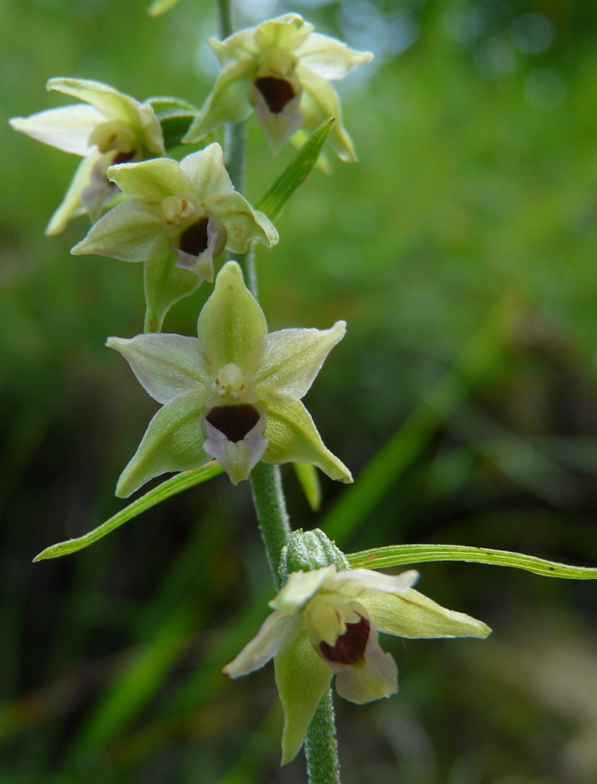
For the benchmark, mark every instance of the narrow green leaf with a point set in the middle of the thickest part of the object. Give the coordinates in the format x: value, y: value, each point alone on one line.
x: 399, y: 555
x: 296, y: 173
x: 164, y: 490
x: 309, y: 481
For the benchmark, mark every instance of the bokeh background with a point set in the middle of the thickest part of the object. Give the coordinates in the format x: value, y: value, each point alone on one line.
x: 462, y: 250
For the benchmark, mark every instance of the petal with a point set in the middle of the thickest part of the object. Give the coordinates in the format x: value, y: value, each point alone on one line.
x: 71, y: 206
x: 173, y: 442
x: 293, y: 437
x: 366, y: 582
x: 299, y: 588
x: 165, y: 284
x: 238, y: 46
x: 99, y: 190
x: 149, y: 180
x: 302, y: 679
x: 287, y: 31
x: 278, y: 127
x: 414, y: 615
x: 106, y: 99
x: 207, y: 173
x: 231, y: 320
x: 238, y: 458
x: 290, y: 360
x: 243, y: 223
x: 228, y: 102
x: 276, y: 633
x: 165, y: 365
x: 128, y: 232
x: 330, y: 58
x: 375, y: 678
x: 203, y: 264
x: 319, y: 103
x: 67, y: 128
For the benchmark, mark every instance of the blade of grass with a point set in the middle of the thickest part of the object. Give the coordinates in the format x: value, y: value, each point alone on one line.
x: 164, y: 490
x: 399, y: 555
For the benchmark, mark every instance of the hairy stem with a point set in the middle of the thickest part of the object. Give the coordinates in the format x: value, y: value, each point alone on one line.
x: 321, y: 748
x: 270, y: 505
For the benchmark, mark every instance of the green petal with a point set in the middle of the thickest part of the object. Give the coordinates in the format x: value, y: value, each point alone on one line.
x: 231, y: 320
x: 207, y: 173
x: 293, y: 437
x: 243, y: 224
x: 159, y: 7
x: 173, y: 442
x: 166, y: 366
x: 128, y: 232
x: 319, y: 102
x: 71, y: 206
x: 330, y: 58
x: 165, y: 285
x: 287, y: 31
x: 413, y: 615
x: 302, y: 679
x: 238, y: 46
x: 67, y: 128
x: 150, y: 180
x: 291, y: 358
x: 109, y: 101
x: 276, y: 632
x: 228, y: 102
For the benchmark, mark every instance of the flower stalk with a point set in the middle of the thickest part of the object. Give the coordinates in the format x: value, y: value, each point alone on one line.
x: 321, y: 747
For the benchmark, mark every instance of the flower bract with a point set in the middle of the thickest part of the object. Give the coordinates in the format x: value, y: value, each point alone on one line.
x: 108, y: 128
x: 326, y: 622
x: 282, y: 70
x: 234, y: 393
x: 190, y: 207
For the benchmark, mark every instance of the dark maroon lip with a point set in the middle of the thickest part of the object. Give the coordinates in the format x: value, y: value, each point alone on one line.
x: 276, y: 92
x: 195, y: 240
x: 233, y: 421
x: 350, y: 647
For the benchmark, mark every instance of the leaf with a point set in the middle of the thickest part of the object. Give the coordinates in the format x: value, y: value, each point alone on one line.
x: 309, y: 481
x: 164, y: 490
x: 399, y: 555
x: 282, y: 189
x: 175, y: 116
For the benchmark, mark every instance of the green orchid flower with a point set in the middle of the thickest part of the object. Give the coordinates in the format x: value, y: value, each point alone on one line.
x: 282, y: 69
x: 190, y: 207
x: 326, y: 623
x: 109, y: 128
x: 233, y: 394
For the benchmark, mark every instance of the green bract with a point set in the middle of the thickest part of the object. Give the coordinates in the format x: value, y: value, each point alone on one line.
x: 282, y: 69
x: 233, y: 394
x: 110, y: 127
x: 326, y: 623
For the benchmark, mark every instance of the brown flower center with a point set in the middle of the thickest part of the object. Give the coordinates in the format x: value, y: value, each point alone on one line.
x: 349, y: 647
x: 194, y: 240
x: 234, y: 421
x: 276, y: 92
x: 123, y: 157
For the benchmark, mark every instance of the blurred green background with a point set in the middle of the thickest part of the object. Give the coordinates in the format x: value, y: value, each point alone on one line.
x: 462, y: 246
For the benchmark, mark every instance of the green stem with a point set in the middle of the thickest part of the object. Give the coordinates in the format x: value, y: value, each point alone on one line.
x: 321, y: 748
x: 270, y: 505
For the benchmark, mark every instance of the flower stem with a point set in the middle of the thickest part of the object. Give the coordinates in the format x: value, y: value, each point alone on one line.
x: 270, y: 505
x: 321, y: 748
